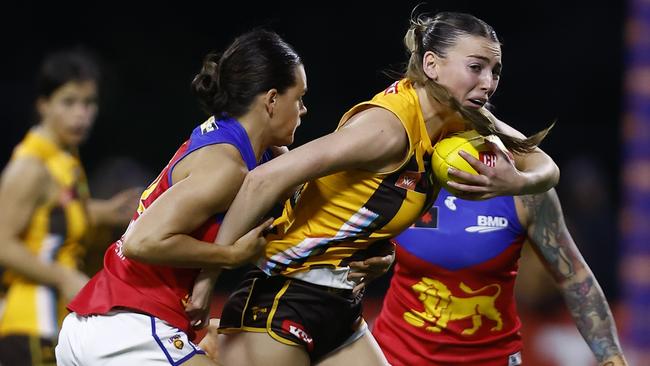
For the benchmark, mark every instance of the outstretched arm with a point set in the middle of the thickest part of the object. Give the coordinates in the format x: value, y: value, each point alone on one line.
x: 584, y: 298
x: 371, y: 140
x: 115, y: 211
x: 368, y: 141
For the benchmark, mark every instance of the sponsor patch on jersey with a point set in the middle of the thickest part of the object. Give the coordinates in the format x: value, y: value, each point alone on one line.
x: 514, y: 359
x: 450, y: 202
x: 392, y: 89
x: 209, y: 126
x: 298, y: 331
x: 486, y: 224
x: 408, y: 180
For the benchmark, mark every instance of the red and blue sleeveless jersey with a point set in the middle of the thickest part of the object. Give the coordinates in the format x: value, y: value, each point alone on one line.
x: 161, y: 291
x: 451, y: 300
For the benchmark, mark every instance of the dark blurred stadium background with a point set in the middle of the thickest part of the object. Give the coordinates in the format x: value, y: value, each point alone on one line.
x: 563, y: 60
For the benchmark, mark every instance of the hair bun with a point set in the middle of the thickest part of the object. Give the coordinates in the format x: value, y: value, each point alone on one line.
x: 207, y: 86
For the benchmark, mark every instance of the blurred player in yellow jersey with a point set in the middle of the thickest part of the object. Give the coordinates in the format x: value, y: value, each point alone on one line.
x: 45, y: 210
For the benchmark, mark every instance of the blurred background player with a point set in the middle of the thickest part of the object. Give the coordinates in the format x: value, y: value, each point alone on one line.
x: 46, y: 210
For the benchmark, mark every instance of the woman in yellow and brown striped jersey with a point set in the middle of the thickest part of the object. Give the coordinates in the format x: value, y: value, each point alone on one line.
x: 45, y: 210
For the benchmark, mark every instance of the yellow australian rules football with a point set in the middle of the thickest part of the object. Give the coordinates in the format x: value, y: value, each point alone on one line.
x: 445, y: 154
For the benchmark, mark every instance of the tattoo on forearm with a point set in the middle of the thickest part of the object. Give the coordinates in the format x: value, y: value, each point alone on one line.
x: 548, y: 236
x: 584, y: 298
x: 594, y: 320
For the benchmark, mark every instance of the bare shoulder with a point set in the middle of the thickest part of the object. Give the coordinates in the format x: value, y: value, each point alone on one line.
x: 377, y: 117
x: 25, y: 184
x: 382, y: 129
x: 26, y: 173
x: 212, y: 175
x: 381, y: 126
x: 218, y: 154
x: 214, y: 160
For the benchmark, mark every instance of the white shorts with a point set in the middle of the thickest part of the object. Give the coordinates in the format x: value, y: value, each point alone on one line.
x: 122, y: 338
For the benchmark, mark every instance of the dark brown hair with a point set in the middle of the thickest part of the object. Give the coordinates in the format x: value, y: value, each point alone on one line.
x: 63, y: 66
x: 255, y: 62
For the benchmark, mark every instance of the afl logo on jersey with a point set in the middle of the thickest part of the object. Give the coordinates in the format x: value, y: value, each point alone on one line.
x: 209, y: 126
x: 408, y: 180
x: 392, y: 89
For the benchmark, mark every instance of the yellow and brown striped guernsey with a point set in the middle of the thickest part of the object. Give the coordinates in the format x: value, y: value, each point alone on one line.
x: 53, y: 235
x: 334, y: 219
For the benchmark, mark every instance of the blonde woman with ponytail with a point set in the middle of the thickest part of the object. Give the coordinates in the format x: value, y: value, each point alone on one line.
x: 362, y: 184
x: 451, y: 297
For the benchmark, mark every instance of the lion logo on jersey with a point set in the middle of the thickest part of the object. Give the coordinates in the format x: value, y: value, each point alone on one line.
x: 440, y: 306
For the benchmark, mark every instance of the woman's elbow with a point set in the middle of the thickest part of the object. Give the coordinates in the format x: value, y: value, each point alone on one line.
x: 258, y: 180
x: 549, y: 170
x: 129, y: 248
x: 137, y: 247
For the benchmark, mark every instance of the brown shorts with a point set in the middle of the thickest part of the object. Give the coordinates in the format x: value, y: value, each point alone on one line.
x: 293, y: 312
x: 22, y: 350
